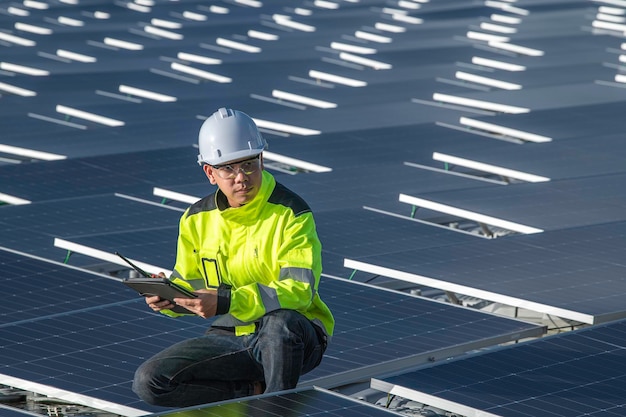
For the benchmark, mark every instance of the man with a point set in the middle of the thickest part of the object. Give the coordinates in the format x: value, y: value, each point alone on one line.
x: 251, y: 253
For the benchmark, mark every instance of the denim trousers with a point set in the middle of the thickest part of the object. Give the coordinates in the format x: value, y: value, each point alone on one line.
x: 219, y: 365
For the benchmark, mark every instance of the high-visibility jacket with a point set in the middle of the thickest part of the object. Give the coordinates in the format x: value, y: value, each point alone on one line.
x: 263, y: 256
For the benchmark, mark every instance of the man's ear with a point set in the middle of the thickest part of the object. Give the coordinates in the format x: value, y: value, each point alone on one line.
x: 208, y: 171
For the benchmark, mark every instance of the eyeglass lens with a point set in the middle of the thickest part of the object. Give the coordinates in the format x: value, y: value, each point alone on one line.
x: 247, y: 167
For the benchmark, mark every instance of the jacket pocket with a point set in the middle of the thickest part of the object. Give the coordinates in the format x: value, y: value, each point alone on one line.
x: 211, y: 270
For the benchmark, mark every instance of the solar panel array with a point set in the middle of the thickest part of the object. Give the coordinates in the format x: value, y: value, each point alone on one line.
x: 580, y: 373
x: 394, y: 121
x: 311, y: 402
x: 575, y: 273
x: 79, y: 336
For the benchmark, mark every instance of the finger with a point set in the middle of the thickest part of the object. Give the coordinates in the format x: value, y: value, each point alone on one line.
x: 162, y: 305
x: 187, y: 302
x: 194, y: 305
x: 152, y: 299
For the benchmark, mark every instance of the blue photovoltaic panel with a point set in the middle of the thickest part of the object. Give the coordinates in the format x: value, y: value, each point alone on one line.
x: 548, y: 205
x: 311, y: 402
x: 556, y: 160
x: 155, y: 167
x: 379, y: 330
x: 93, y: 349
x: 84, y: 217
x: 580, y: 373
x: 152, y: 125
x: 341, y: 190
x: 63, y: 179
x: 76, y: 331
x: 32, y: 228
x: 123, y: 173
x: 583, y: 121
x: 156, y: 247
x: 91, y: 352
x: 358, y: 232
x: 356, y: 151
x: 575, y: 273
x: 35, y: 289
x: 569, y: 91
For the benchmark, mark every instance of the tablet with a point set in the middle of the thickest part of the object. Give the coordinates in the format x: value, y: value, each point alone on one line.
x: 163, y: 287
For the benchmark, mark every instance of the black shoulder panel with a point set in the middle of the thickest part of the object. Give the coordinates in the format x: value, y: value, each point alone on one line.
x: 285, y: 197
x: 205, y: 204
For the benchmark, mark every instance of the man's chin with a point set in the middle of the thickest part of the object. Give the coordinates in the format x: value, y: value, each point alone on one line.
x: 242, y: 199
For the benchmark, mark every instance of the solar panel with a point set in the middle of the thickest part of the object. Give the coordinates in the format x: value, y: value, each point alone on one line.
x: 557, y: 160
x: 89, y: 356
x: 38, y: 288
x: 289, y: 50
x: 358, y: 232
x: 132, y: 173
x: 157, y: 247
x: 71, y: 141
x: 365, y: 140
x: 311, y: 402
x: 579, y: 373
x: 549, y: 205
x: 50, y: 181
x: 573, y: 273
x: 398, y: 330
x: 81, y: 336
x: 89, y: 353
x: 32, y: 228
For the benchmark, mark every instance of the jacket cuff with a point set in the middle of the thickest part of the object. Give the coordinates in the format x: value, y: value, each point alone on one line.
x: 223, y: 299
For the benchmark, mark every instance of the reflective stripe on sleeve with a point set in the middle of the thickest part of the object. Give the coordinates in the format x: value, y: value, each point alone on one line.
x: 269, y: 298
x: 298, y: 274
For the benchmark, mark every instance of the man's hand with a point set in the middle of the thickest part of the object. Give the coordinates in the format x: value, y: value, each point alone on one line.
x: 157, y: 304
x: 205, y: 305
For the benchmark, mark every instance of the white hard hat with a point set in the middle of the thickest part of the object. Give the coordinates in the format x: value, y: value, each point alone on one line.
x: 228, y: 135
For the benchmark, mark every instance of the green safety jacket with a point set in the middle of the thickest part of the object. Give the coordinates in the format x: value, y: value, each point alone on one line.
x: 263, y: 256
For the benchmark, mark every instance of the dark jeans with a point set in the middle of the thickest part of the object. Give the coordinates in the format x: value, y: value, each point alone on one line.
x: 220, y: 365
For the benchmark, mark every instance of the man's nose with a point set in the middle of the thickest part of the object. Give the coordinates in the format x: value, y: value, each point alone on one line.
x: 240, y: 171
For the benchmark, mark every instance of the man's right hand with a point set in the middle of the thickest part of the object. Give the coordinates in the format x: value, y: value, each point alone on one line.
x: 155, y: 302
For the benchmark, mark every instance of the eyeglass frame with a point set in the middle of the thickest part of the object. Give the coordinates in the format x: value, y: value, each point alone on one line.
x: 219, y: 169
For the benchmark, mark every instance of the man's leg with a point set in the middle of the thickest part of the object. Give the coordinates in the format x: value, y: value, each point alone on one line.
x: 286, y: 346
x: 214, y: 367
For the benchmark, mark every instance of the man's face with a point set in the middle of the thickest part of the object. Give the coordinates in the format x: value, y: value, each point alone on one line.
x: 239, y: 180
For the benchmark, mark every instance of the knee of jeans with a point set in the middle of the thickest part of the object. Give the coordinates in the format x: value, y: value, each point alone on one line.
x: 150, y: 385
x: 283, y: 324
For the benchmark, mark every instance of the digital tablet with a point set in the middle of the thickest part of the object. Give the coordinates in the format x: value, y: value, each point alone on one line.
x: 148, y: 285
x: 163, y: 287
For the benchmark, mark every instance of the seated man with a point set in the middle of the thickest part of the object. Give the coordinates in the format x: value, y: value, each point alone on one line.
x: 250, y: 252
